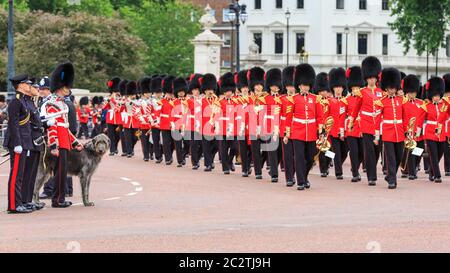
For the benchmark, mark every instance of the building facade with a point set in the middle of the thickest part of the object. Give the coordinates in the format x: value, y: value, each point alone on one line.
x: 330, y: 33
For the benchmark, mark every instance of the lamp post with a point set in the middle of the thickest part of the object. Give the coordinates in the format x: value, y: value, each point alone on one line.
x: 238, y: 14
x: 288, y: 16
x: 11, y: 91
x: 347, y: 31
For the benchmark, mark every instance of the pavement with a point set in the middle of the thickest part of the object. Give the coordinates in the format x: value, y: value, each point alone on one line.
x: 145, y: 207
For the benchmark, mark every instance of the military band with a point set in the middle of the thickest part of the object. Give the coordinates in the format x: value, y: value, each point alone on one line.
x: 289, y: 120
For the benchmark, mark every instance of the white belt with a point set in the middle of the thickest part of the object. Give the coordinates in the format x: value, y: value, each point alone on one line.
x: 191, y: 116
x: 238, y: 118
x: 369, y: 114
x: 431, y: 122
x: 304, y: 121
x: 61, y: 124
x: 225, y: 118
x: 392, y: 121
x: 178, y: 116
x: 269, y: 117
x: 283, y: 118
x: 164, y: 115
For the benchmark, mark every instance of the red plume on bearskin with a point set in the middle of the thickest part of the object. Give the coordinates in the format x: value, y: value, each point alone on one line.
x: 110, y: 84
x: 348, y: 72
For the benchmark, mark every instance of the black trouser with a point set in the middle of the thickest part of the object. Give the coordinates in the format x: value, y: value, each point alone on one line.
x: 97, y: 130
x: 245, y: 154
x: 180, y: 146
x: 447, y: 157
x: 420, y: 144
x: 145, y: 143
x: 436, y: 151
x: 32, y: 164
x: 123, y: 141
x: 130, y: 140
x: 340, y: 149
x: 156, y: 136
x: 226, y: 147
x: 370, y: 158
x: 49, y: 186
x: 168, y: 145
x: 304, y: 158
x: 393, y: 153
x: 195, y: 146
x: 257, y: 155
x: 274, y: 155
x: 209, y: 146
x: 60, y: 174
x: 411, y: 165
x: 355, y: 146
x: 426, y: 160
x: 114, y: 137
x: 288, y: 158
x: 324, y: 163
x: 83, y: 130
x: 16, y: 179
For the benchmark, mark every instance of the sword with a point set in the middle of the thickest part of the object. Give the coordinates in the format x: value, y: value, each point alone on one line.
x: 4, y: 161
x: 54, y: 115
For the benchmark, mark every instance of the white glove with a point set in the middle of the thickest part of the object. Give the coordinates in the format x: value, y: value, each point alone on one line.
x: 18, y: 149
x: 51, y: 122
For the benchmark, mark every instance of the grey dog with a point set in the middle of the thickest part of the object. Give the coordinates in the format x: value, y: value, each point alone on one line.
x: 82, y: 164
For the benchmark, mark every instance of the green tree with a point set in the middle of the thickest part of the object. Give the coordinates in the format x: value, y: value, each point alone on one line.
x: 167, y: 30
x: 99, y: 48
x: 421, y: 24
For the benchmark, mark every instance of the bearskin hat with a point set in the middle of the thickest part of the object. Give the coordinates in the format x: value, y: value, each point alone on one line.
x: 304, y: 75
x: 354, y: 77
x: 62, y: 76
x: 255, y: 76
x: 411, y: 84
x: 446, y: 78
x: 156, y: 85
x: 208, y: 82
x: 123, y: 87
x: 131, y: 88
x: 226, y: 83
x: 403, y: 74
x: 435, y: 87
x: 84, y: 101
x: 95, y: 100
x: 241, y: 79
x: 167, y: 84
x: 179, y: 84
x: 390, y: 78
x: 371, y: 67
x: 337, y: 78
x: 144, y: 85
x: 288, y: 76
x: 194, y: 82
x: 273, y: 78
x: 321, y: 83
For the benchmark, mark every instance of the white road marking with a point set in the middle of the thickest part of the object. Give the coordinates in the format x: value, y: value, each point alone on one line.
x: 112, y: 199
x: 77, y: 204
x: 135, y: 184
x: 139, y: 189
x: 125, y: 179
x: 132, y: 193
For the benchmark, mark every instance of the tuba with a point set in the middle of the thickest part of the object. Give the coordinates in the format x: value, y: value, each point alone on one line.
x: 410, y: 144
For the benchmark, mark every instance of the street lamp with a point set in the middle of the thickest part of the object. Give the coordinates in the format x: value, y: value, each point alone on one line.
x: 238, y: 14
x: 288, y: 16
x: 11, y: 91
x: 347, y: 31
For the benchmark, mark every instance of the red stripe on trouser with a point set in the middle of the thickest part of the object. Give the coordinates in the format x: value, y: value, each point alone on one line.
x: 12, y: 188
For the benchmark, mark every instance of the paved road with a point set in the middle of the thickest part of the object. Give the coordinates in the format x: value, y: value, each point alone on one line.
x: 144, y: 207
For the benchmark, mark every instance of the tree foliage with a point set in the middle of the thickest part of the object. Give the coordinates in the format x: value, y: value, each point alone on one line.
x: 421, y: 24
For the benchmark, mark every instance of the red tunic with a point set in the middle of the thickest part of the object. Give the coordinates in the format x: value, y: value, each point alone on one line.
x: 59, y: 135
x: 83, y: 114
x: 356, y: 131
x: 113, y: 116
x: 286, y: 108
x: 194, y: 117
x: 414, y: 109
x: 166, y: 118
x: 390, y: 121
x: 211, y: 112
x: 127, y: 114
x: 366, y: 109
x: 338, y: 111
x: 435, y: 118
x: 306, y: 117
x: 227, y: 118
x: 273, y: 114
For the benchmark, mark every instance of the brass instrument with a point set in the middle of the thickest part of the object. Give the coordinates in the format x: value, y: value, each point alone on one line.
x: 322, y: 144
x: 138, y: 134
x: 215, y: 109
x: 410, y: 144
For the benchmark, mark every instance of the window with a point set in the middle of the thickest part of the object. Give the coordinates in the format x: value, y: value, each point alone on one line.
x: 362, y: 44
x: 385, y: 44
x: 385, y: 4
x: 257, y: 4
x: 339, y: 44
x: 212, y: 12
x: 300, y: 37
x: 257, y: 37
x: 226, y: 37
x: 340, y: 4
x: 300, y: 4
x: 226, y: 64
x: 363, y: 4
x: 278, y: 43
x: 448, y: 46
x: 279, y: 4
x: 225, y: 18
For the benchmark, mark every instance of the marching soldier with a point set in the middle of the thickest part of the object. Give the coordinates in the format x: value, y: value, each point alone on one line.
x: 435, y: 119
x: 353, y: 135
x: 210, y: 110
x: 338, y: 110
x: 272, y: 121
x: 156, y: 89
x: 122, y: 113
x: 227, y: 133
x: 60, y: 139
x: 256, y: 83
x: 145, y: 119
x: 194, y: 121
x: 366, y: 109
x: 304, y: 123
x: 83, y: 117
x: 96, y: 114
x: 286, y: 109
x: 18, y: 141
x: 113, y: 116
x: 390, y: 122
x: 128, y: 118
x: 166, y: 123
x: 180, y: 112
x: 446, y: 98
x: 242, y: 120
x: 322, y: 89
x: 414, y: 113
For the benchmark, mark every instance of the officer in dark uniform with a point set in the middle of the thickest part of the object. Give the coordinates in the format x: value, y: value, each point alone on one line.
x: 18, y: 141
x: 32, y: 160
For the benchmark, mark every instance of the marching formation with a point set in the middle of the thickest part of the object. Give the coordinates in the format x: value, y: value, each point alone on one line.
x: 290, y: 118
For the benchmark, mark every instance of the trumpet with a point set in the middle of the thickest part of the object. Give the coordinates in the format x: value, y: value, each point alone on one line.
x: 410, y: 144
